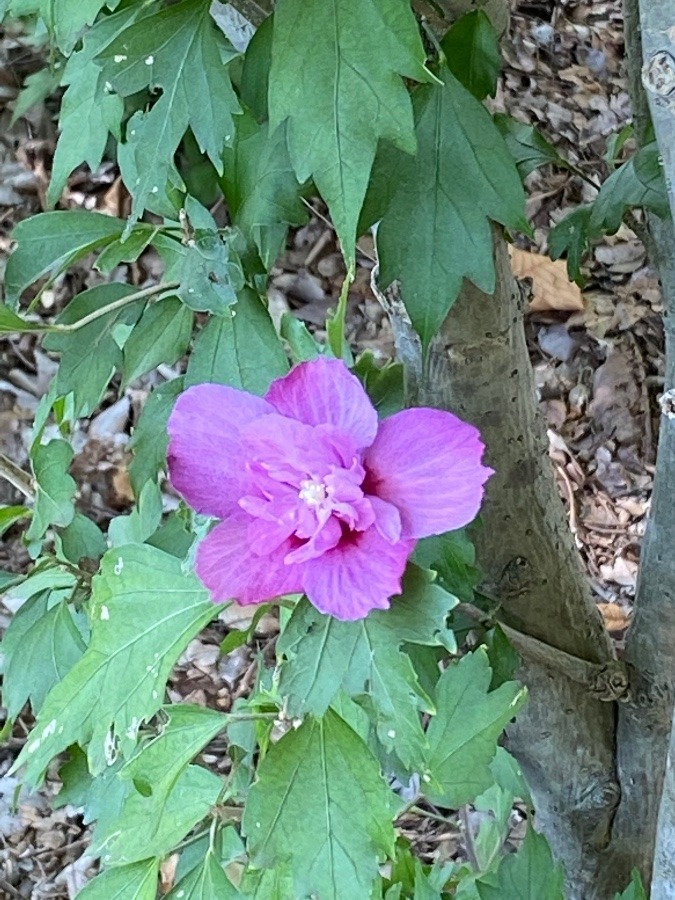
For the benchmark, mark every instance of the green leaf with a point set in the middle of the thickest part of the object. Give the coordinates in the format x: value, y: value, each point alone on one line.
x: 635, y: 890
x: 436, y: 228
x: 10, y: 515
x: 320, y: 801
x: 127, y: 250
x: 161, y: 335
x: 616, y: 142
x: 166, y: 797
x: 10, y: 323
x: 497, y: 802
x: 240, y: 348
x: 136, y: 882
x: 71, y: 16
x: 356, y: 51
x: 255, y: 73
x: 301, y: 343
x: 463, y: 735
x: 207, y: 882
x: 91, y: 355
x: 41, y: 645
x: 638, y: 182
x: 472, y: 53
x: 144, y: 610
x: 262, y: 192
x: 529, y: 874
x: 453, y: 556
x: 142, y: 521
x: 383, y: 384
x: 180, y: 51
x: 571, y: 238
x: 89, y: 110
x: 49, y: 242
x: 529, y: 147
x: 82, y: 539
x: 36, y: 88
x: 149, y: 440
x: 55, y: 488
x: 268, y: 884
x: 324, y: 655
x: 174, y: 535
x: 503, y: 658
x: 430, y: 883
x: 208, y: 271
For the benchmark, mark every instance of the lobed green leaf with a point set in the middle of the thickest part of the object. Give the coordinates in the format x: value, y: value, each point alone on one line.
x: 463, y: 734
x: 320, y: 802
x: 322, y: 655
x: 135, y: 882
x: 144, y: 610
x: 435, y: 230
x: 180, y: 51
x: 529, y: 874
x: 336, y: 75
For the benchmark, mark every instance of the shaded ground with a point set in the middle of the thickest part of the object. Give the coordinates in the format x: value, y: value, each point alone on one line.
x: 598, y: 360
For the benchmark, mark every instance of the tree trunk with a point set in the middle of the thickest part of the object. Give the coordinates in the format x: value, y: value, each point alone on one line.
x: 645, y: 722
x: 564, y: 738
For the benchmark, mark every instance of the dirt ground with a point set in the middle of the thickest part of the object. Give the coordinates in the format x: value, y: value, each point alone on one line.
x: 597, y: 354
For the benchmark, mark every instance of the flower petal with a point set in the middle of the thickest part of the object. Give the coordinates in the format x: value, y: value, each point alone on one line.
x: 206, y: 464
x: 428, y: 464
x: 360, y: 574
x: 290, y: 451
x: 323, y: 391
x: 230, y: 569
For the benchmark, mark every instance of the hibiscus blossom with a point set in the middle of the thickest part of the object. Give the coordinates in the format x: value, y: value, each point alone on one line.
x: 314, y: 494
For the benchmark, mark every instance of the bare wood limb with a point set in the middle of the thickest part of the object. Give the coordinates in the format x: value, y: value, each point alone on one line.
x: 605, y: 681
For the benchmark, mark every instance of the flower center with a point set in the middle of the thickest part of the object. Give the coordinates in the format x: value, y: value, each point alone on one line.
x: 312, y: 492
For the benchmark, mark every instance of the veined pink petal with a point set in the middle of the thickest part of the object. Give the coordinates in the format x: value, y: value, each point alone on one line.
x: 323, y: 391
x: 231, y: 571
x: 387, y: 519
x: 360, y: 574
x: 290, y: 451
x: 428, y: 464
x: 206, y: 464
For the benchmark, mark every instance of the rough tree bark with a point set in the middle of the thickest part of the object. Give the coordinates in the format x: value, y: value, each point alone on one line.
x: 564, y: 739
x: 645, y: 723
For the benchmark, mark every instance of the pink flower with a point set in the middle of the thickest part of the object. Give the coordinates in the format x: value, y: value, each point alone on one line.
x: 315, y: 495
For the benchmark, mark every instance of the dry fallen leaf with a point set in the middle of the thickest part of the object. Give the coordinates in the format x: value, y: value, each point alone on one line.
x: 614, y: 617
x: 551, y: 288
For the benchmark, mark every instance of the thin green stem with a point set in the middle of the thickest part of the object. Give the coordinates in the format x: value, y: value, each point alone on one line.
x: 112, y: 307
x: 16, y: 477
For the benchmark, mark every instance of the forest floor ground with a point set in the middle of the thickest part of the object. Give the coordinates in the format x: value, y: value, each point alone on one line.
x: 597, y: 354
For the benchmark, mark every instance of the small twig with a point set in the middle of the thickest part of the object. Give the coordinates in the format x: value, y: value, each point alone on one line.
x: 16, y: 477
x: 11, y: 891
x: 65, y: 848
x: 419, y: 811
